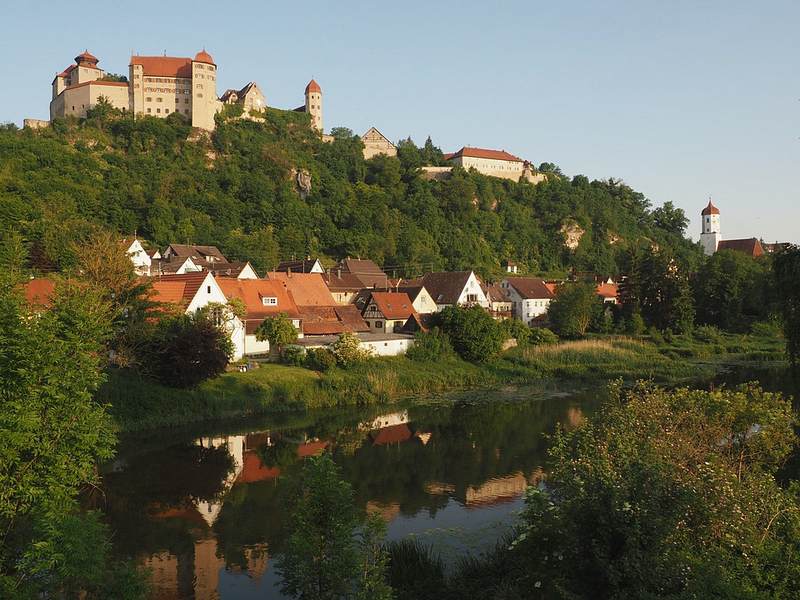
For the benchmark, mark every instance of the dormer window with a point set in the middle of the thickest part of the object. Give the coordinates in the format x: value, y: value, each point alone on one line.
x: 269, y: 301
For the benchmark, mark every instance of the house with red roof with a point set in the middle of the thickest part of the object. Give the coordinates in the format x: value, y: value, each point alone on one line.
x: 388, y: 312
x: 190, y: 293
x: 530, y: 297
x: 495, y: 163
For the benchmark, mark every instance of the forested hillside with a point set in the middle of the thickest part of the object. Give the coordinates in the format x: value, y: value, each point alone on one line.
x: 238, y: 189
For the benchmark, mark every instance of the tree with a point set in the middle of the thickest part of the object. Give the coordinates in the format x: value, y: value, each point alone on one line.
x: 278, y: 330
x: 573, y: 309
x: 53, y: 434
x: 182, y: 351
x: 331, y: 552
x: 671, y: 219
x: 347, y: 350
x: 732, y: 290
x: 472, y: 332
x: 668, y: 494
x: 786, y: 267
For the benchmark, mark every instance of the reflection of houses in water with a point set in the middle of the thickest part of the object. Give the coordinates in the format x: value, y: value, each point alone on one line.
x: 575, y: 417
x: 393, y: 428
x: 387, y: 511
x: 393, y: 434
x: 235, y: 444
x: 496, y: 490
x: 387, y: 420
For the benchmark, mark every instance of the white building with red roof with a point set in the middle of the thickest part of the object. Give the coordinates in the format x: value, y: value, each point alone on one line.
x: 495, y: 163
x: 79, y: 87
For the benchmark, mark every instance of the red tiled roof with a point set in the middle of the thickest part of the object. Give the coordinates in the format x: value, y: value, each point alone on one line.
x: 710, y: 209
x: 751, y: 246
x: 366, y: 271
x: 166, y: 287
x: 311, y: 449
x: 87, y: 56
x: 204, y: 57
x: 484, y: 153
x: 530, y: 287
x: 313, y: 86
x: 164, y: 66
x: 307, y: 289
x: 608, y: 290
x: 342, y: 282
x: 38, y: 292
x: 253, y: 291
x: 331, y: 320
x: 393, y: 305
x: 393, y: 434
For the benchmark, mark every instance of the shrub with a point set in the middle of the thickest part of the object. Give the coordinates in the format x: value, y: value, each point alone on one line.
x: 474, y: 334
x: 320, y: 359
x: 766, y: 329
x: 655, y: 336
x: 347, y: 350
x: 574, y: 309
x: 293, y: 355
x: 708, y: 334
x: 541, y: 336
x: 516, y: 329
x: 635, y: 325
x: 430, y: 346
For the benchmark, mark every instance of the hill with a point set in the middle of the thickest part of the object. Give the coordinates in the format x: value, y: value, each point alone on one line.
x: 239, y: 189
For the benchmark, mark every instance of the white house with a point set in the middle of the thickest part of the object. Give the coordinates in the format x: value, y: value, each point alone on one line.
x: 530, y: 297
x: 139, y: 257
x: 194, y: 291
x: 420, y: 298
x: 308, y: 265
x: 459, y: 288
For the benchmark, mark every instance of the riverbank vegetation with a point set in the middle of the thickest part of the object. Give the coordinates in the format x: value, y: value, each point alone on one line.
x: 139, y: 403
x: 662, y: 494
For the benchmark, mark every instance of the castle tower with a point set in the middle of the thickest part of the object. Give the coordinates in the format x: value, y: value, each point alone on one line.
x: 204, y: 91
x: 711, y: 234
x: 314, y: 104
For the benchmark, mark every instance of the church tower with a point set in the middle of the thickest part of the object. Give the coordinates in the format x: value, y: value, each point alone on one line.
x: 711, y: 235
x: 314, y: 104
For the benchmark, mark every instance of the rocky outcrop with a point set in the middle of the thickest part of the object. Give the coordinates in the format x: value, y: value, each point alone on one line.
x: 302, y: 179
x: 572, y: 234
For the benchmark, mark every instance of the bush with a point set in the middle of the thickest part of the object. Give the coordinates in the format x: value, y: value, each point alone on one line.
x: 516, y: 329
x: 574, y: 309
x: 708, y: 334
x: 320, y: 359
x: 430, y: 346
x: 474, y: 334
x: 541, y: 336
x: 655, y: 336
x: 293, y: 355
x: 348, y: 351
x: 766, y: 329
x: 635, y: 325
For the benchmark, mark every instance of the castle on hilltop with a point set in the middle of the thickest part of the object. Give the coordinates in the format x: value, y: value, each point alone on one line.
x: 159, y: 86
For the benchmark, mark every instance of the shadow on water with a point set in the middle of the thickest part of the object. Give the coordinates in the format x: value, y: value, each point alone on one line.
x: 204, y: 508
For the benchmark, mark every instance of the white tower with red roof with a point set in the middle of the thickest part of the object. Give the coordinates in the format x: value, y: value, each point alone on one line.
x: 314, y: 104
x: 712, y: 233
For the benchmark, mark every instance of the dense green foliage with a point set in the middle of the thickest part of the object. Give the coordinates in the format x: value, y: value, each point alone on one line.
x: 278, y: 330
x: 475, y: 335
x: 53, y: 433
x: 573, y: 309
x: 184, y: 350
x: 430, y: 346
x: 332, y: 553
x: 733, y: 290
x: 236, y: 189
x: 787, y: 281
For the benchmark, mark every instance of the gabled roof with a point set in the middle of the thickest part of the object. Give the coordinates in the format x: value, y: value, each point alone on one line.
x: 392, y: 305
x: 253, y: 291
x: 164, y: 66
x: 307, y: 289
x: 38, y: 292
x: 413, y: 291
x: 750, y: 246
x: 177, y: 289
x: 297, y: 266
x: 341, y: 281
x: 227, y: 269
x: 366, y: 271
x: 608, y: 290
x: 170, y: 267
x: 196, y: 251
x: 495, y: 293
x: 466, y: 151
x: 710, y: 209
x: 530, y: 288
x: 331, y: 320
x: 445, y: 287
x: 238, y: 93
x: 373, y: 130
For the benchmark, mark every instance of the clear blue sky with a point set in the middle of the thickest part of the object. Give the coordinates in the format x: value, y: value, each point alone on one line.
x: 680, y: 99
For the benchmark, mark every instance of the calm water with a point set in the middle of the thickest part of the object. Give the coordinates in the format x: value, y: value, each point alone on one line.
x: 205, y: 509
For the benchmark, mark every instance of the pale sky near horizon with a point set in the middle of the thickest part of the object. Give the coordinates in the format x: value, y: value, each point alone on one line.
x: 679, y: 99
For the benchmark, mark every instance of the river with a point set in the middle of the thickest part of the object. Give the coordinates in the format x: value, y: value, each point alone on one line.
x: 204, y: 509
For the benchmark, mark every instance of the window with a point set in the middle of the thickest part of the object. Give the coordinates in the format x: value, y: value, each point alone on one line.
x: 158, y: 110
x: 159, y: 99
x: 186, y: 101
x: 166, y: 111
x: 148, y: 99
x: 149, y: 110
x: 199, y: 95
x: 472, y: 297
x: 186, y: 111
x: 269, y: 301
x: 208, y: 289
x: 378, y: 324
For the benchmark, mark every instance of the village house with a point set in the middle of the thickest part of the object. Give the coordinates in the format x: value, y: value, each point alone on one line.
x: 420, y: 297
x: 174, y: 266
x: 530, y: 297
x: 192, y: 292
x: 237, y: 270
x: 307, y: 265
x: 344, y: 286
x: 369, y: 274
x: 140, y: 258
x: 459, y: 288
x: 387, y: 312
x: 319, y: 312
x: 262, y: 299
x: 250, y: 97
x: 510, y: 267
x: 608, y: 291
x: 376, y: 143
x: 500, y: 304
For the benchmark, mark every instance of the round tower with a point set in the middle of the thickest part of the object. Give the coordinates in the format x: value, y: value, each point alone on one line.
x: 711, y: 232
x: 314, y: 104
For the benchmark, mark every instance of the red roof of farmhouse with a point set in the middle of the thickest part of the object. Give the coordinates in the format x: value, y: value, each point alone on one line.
x: 484, y: 153
x: 164, y: 66
x: 393, y: 305
x: 608, y: 290
x: 177, y: 289
x: 307, y: 289
x: 253, y: 291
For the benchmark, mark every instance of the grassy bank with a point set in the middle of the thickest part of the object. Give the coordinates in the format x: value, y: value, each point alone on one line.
x: 138, y: 403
